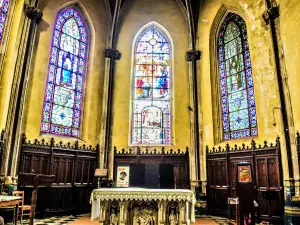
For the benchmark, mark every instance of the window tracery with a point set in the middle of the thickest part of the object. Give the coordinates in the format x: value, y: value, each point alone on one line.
x: 236, y: 80
x: 63, y: 101
x: 152, y: 89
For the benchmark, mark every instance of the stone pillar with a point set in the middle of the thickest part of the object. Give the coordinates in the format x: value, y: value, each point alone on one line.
x: 123, y: 212
x: 162, y: 206
x: 182, y: 213
x: 197, y: 170
x: 193, y: 56
x: 103, y: 212
x: 18, y: 99
x: 106, y: 153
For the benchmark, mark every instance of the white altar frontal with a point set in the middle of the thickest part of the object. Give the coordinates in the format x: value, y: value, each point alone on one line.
x: 139, y: 206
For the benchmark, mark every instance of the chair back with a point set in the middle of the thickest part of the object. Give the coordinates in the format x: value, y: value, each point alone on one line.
x: 19, y: 193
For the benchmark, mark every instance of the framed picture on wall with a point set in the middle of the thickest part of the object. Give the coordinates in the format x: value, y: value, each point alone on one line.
x: 244, y: 172
x: 123, y: 176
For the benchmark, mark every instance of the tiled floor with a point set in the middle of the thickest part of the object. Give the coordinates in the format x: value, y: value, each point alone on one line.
x: 85, y: 220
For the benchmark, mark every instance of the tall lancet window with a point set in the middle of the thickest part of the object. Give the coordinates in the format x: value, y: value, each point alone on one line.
x: 151, y: 122
x: 236, y: 81
x: 4, y: 5
x: 63, y: 101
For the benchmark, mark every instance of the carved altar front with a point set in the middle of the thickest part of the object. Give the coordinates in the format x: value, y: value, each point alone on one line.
x: 139, y: 206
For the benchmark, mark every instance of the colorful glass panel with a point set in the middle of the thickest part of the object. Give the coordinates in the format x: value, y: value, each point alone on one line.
x: 63, y: 101
x: 4, y: 5
x: 236, y: 82
x: 152, y: 93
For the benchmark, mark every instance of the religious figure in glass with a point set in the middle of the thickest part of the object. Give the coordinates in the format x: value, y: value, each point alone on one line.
x: 4, y: 5
x: 152, y: 94
x: 66, y: 75
x: 236, y: 81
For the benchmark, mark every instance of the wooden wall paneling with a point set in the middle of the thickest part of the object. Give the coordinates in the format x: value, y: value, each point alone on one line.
x: 79, y: 171
x: 69, y: 164
x: 267, y: 171
x: 179, y: 159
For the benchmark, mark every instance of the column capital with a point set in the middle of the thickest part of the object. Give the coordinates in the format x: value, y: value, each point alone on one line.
x: 33, y: 13
x: 193, y: 55
x: 270, y: 14
x: 112, y: 53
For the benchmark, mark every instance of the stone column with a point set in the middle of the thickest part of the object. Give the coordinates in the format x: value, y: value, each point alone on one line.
x: 106, y: 153
x: 182, y: 213
x: 162, y: 206
x: 19, y: 90
x: 123, y: 212
x: 103, y: 212
x: 193, y: 56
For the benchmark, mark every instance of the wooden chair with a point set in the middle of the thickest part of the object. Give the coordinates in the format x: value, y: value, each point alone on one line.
x: 22, y: 208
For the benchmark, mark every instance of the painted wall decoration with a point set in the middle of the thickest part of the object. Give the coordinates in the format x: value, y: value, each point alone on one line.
x: 63, y: 102
x: 151, y: 122
x: 4, y: 5
x: 236, y: 81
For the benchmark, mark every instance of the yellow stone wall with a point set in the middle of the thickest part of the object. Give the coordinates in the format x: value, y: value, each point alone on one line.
x: 289, y: 29
x: 10, y: 57
x: 264, y: 74
x: 95, y: 13
x: 168, y: 14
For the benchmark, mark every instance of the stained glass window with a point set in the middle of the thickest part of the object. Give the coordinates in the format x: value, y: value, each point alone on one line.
x: 236, y: 81
x: 63, y: 99
x: 4, y: 4
x: 151, y: 122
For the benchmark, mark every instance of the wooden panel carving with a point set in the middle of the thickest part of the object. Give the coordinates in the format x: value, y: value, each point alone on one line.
x: 179, y: 159
x: 73, y: 167
x: 221, y: 177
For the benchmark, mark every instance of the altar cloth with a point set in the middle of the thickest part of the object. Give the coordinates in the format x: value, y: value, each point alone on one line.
x: 141, y: 194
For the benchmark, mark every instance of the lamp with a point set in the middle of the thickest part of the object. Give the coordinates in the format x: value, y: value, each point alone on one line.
x: 100, y: 173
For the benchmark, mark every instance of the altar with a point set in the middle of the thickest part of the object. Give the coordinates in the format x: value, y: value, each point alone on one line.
x: 140, y: 206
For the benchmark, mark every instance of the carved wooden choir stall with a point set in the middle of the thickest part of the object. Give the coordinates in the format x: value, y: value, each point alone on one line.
x: 267, y: 178
x: 73, y: 167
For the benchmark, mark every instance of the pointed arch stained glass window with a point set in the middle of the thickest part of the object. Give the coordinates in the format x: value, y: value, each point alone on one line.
x: 151, y: 123
x: 63, y: 100
x: 236, y: 81
x: 4, y: 5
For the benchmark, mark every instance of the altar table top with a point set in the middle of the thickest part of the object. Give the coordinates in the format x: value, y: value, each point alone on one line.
x: 142, y: 194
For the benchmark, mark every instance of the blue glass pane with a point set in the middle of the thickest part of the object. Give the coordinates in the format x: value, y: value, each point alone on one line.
x: 4, y: 5
x: 67, y: 66
x: 236, y: 81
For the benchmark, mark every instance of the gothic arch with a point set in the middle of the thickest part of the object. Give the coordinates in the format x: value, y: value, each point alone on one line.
x: 158, y: 101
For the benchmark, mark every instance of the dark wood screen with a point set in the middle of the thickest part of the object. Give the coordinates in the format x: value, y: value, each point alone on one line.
x: 221, y: 178
x: 179, y: 159
x: 73, y: 167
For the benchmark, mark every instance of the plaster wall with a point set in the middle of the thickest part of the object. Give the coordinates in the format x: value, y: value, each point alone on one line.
x: 10, y: 57
x: 264, y: 75
x: 289, y: 30
x: 96, y: 16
